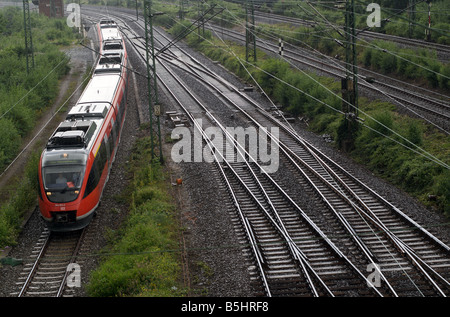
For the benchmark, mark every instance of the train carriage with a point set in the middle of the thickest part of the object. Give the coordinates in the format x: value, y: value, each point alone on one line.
x: 75, y: 165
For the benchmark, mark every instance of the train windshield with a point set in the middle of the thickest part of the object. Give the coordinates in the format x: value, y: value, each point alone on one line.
x: 63, y: 175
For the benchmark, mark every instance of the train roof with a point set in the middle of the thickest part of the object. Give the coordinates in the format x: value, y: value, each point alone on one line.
x: 115, y: 46
x: 84, y: 120
x: 109, y: 63
x: 77, y: 134
x: 105, y: 23
x: 73, y: 134
x: 100, y: 89
x: 110, y: 33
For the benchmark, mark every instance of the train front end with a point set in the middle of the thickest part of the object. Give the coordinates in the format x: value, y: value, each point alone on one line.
x: 61, y: 177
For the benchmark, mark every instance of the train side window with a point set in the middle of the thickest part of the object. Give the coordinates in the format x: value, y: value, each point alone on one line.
x: 96, y: 170
x: 121, y: 109
x: 114, y: 133
x: 119, y: 116
x: 93, y: 179
x: 103, y: 156
x: 107, y: 142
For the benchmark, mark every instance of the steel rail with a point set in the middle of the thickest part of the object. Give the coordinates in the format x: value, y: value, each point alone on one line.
x: 373, y: 219
x: 72, y: 260
x: 312, y: 149
x: 244, y: 221
x: 415, y: 259
x: 424, y: 99
x: 386, y: 37
x: 298, y: 254
x: 42, y: 255
x: 393, y: 238
x: 302, y: 213
x: 294, y: 249
x: 35, y: 266
x: 346, y: 225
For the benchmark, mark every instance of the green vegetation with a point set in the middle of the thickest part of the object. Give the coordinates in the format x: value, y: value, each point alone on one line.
x: 23, y: 97
x: 143, y: 257
x: 302, y: 95
x: 381, y: 56
x: 393, y: 9
x: 24, y: 197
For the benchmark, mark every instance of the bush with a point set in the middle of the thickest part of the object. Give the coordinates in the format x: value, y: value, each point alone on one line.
x: 416, y: 175
x: 444, y: 81
x: 10, y: 139
x: 18, y: 113
x: 24, y: 198
x: 382, y: 123
x: 441, y: 187
x: 414, y: 133
x: 275, y: 67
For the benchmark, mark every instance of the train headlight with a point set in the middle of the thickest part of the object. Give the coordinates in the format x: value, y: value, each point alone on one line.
x: 49, y: 193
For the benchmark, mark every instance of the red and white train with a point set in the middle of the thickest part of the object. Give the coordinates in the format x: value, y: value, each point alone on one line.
x: 75, y: 165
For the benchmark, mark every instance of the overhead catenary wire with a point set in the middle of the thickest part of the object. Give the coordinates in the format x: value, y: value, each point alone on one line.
x: 369, y: 84
x: 396, y: 55
x: 248, y: 72
x: 420, y: 151
x: 417, y: 150
x: 43, y: 127
x: 65, y: 59
x: 331, y: 38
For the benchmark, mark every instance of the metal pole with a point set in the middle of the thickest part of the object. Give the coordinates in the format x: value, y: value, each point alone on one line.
x: 151, y: 71
x: 157, y: 108
x: 351, y: 58
x: 147, y: 6
x: 350, y: 82
x: 412, y: 11
x: 137, y: 13
x: 250, y: 32
x: 28, y: 38
x: 181, y: 12
x: 354, y: 62
x: 429, y: 21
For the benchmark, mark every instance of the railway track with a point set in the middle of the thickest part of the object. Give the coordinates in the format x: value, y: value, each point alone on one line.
x: 283, y: 268
x: 343, y: 195
x: 372, y: 226
x: 46, y: 273
x: 320, y: 251
x: 437, y: 110
x: 55, y: 264
x: 441, y: 49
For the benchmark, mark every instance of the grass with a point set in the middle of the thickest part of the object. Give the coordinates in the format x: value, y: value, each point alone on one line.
x: 142, y: 258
